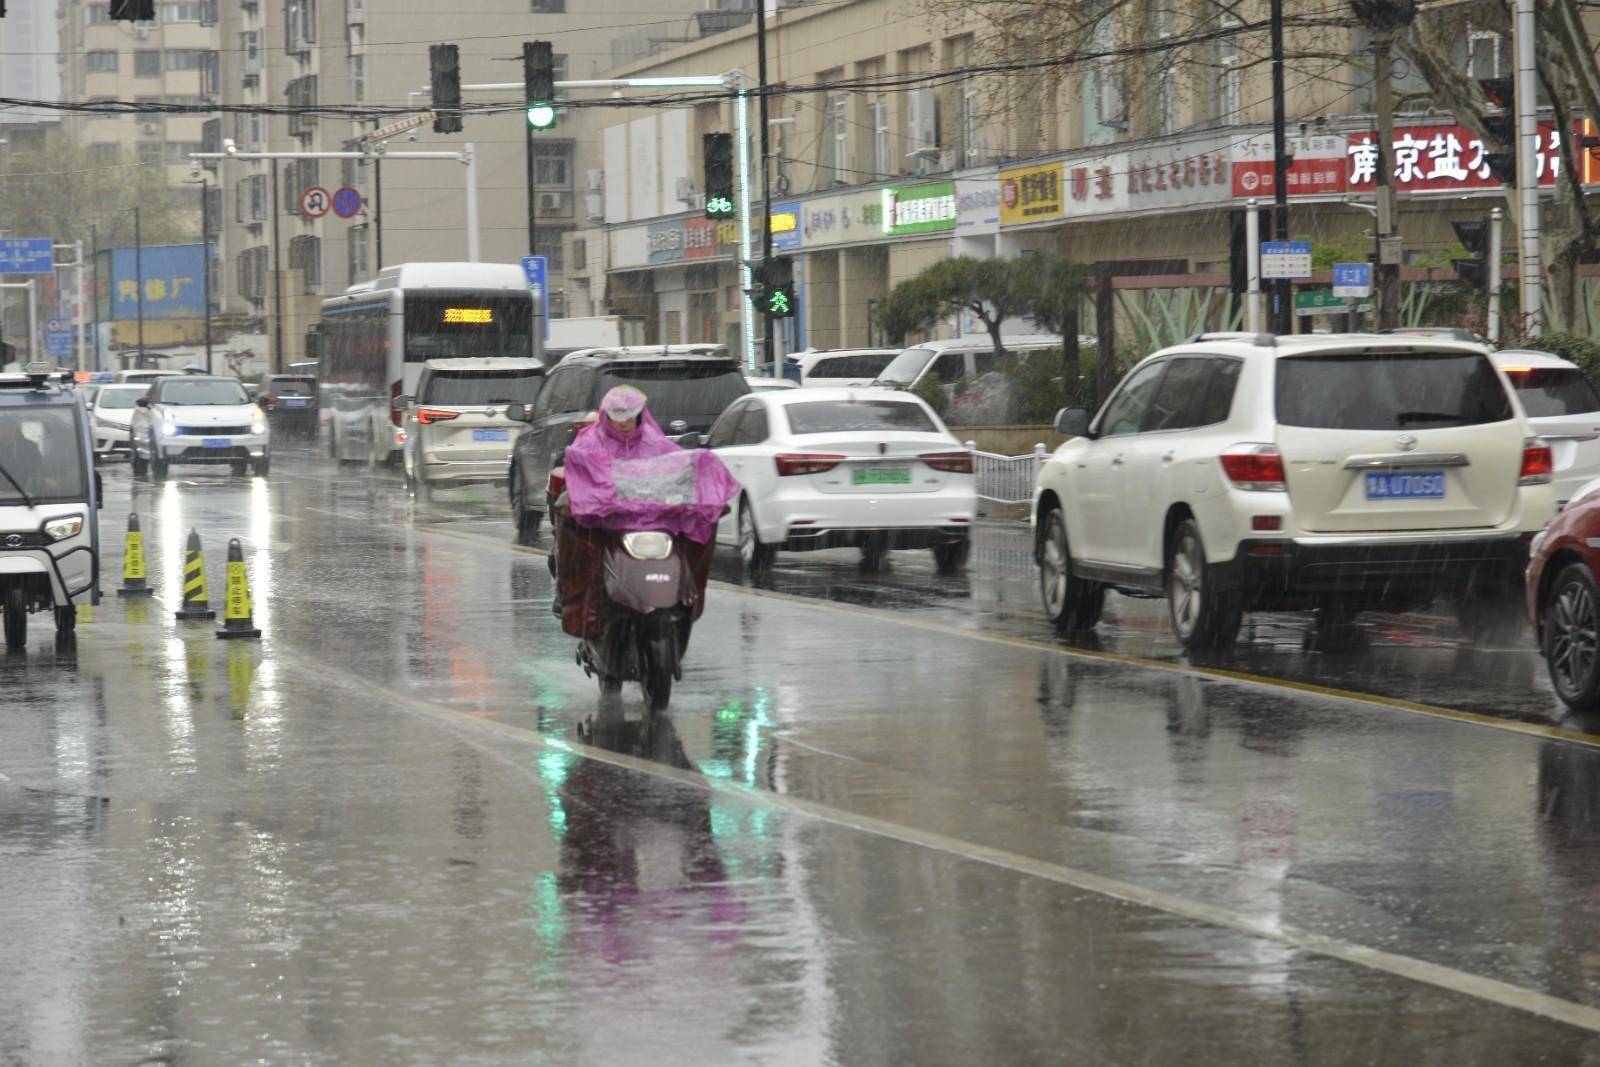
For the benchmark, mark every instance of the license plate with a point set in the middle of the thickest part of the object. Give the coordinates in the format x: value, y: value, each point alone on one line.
x: 1405, y: 485
x: 216, y: 442
x: 881, y: 476
x: 491, y: 435
x: 295, y: 402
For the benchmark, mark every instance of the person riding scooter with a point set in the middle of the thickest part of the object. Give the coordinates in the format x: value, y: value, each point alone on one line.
x: 634, y: 533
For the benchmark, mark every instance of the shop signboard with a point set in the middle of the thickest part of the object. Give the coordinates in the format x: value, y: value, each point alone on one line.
x: 978, y: 205
x: 1192, y: 172
x: 1031, y: 194
x: 173, y: 279
x: 926, y: 208
x: 1318, y: 166
x: 846, y: 217
x: 784, y: 220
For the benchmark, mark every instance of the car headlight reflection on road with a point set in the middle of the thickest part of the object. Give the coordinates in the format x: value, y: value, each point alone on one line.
x: 63, y: 528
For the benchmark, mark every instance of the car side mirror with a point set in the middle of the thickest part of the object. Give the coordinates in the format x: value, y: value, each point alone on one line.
x: 401, y: 402
x: 690, y: 440
x: 1072, y: 422
x: 517, y: 412
x: 142, y: 402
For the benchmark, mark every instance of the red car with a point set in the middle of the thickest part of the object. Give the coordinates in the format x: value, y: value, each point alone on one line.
x: 1564, y: 601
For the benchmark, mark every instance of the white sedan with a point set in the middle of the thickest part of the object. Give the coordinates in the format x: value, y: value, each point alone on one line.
x: 110, y: 416
x: 198, y: 419
x: 839, y: 468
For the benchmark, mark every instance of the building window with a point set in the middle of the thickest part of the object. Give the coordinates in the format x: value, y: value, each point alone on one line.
x: 580, y: 254
x: 971, y: 146
x: 360, y: 265
x: 552, y: 165
x: 178, y: 151
x: 1226, y: 100
x: 105, y: 155
x: 301, y: 93
x: 547, y: 7
x: 836, y: 144
x: 305, y: 255
x: 147, y: 63
x: 1486, y: 55
x: 102, y: 62
x: 211, y: 217
x: 95, y: 14
x: 253, y: 274
x: 878, y: 120
x: 250, y: 51
x: 548, y: 239
x: 358, y: 79
x: 149, y: 152
x: 184, y: 12
x: 188, y: 58
x: 299, y: 25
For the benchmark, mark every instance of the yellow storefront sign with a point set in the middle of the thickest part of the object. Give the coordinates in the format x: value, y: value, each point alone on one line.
x: 1031, y: 194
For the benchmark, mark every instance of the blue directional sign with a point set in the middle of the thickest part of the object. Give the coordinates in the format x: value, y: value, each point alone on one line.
x: 26, y: 255
x: 1352, y: 280
x: 58, y: 337
x: 535, y: 268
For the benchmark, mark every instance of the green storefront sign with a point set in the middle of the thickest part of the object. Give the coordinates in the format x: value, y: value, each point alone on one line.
x: 929, y: 208
x: 1323, y: 302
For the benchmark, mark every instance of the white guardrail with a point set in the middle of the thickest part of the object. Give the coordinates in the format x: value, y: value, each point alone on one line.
x: 1006, y: 479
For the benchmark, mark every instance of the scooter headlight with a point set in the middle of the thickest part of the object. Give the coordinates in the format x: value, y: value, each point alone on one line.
x: 64, y: 527
x: 647, y: 544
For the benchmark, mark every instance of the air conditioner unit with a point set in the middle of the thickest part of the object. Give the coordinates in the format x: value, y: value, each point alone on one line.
x: 596, y: 181
x: 594, y: 207
x: 149, y: 127
x: 552, y: 202
x: 683, y: 191
x: 141, y: 33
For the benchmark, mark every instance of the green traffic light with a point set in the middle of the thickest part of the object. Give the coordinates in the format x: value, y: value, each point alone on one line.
x: 541, y: 116
x: 778, y: 303
x: 719, y: 206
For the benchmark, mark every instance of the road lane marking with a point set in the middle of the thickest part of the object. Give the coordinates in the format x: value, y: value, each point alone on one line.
x: 1470, y: 718
x: 1449, y: 979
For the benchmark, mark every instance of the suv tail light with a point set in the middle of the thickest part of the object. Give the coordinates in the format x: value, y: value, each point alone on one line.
x: 1258, y: 468
x: 1537, y: 463
x: 429, y: 416
x: 792, y: 463
x: 949, y: 462
x: 394, y: 393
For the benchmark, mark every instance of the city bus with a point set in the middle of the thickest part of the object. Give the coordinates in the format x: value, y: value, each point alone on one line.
x: 374, y: 338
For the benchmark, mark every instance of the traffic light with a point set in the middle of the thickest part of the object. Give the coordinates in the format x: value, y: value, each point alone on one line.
x: 777, y: 299
x: 1502, y: 127
x: 444, y: 63
x: 133, y: 10
x: 1475, y: 269
x: 718, y: 151
x: 539, y: 83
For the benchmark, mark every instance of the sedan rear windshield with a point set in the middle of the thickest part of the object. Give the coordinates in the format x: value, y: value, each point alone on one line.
x: 858, y: 416
x: 1546, y: 391
x: 469, y: 387
x: 290, y: 386
x: 1390, y: 391
x: 695, y: 393
x: 118, y: 399
x: 202, y: 394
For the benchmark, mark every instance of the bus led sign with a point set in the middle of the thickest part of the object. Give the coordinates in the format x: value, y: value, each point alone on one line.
x: 473, y: 316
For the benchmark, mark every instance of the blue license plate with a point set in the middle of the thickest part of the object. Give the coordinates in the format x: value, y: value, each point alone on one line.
x: 216, y: 442
x: 491, y: 435
x: 295, y: 402
x: 1405, y: 485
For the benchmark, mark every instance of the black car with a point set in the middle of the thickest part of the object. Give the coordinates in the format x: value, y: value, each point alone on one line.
x: 686, y: 394
x: 290, y: 401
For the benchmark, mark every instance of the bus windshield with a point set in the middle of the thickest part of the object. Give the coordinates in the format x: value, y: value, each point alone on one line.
x: 444, y: 324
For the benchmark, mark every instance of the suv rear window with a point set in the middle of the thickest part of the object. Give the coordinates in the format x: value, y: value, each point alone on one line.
x: 858, y: 416
x: 1390, y: 391
x: 696, y: 392
x: 469, y: 387
x: 290, y: 386
x: 1546, y: 391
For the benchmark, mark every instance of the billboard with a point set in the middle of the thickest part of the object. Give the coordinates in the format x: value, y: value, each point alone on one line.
x: 173, y: 282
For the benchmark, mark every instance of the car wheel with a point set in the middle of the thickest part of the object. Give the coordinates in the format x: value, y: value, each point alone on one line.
x: 1072, y: 604
x: 1494, y: 614
x: 1203, y: 617
x: 66, y: 619
x: 528, y: 522
x: 874, y: 553
x: 951, y: 556
x: 753, y: 555
x: 1572, y: 637
x: 16, y: 611
x: 239, y: 468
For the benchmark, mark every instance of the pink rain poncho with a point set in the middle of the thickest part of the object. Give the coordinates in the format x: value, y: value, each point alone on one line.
x: 640, y: 480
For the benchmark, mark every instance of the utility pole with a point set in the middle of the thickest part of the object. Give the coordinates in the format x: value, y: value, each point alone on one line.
x: 1492, y: 269
x: 205, y: 261
x: 377, y: 213
x: 1385, y: 19
x: 275, y: 363
x: 94, y: 245
x: 768, y: 349
x: 138, y: 281
x: 1530, y: 269
x: 533, y: 192
x: 1282, y: 291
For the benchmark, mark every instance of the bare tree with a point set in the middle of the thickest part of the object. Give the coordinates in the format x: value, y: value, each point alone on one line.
x: 59, y: 191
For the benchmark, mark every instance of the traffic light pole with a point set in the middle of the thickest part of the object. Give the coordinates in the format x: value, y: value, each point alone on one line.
x: 769, y: 350
x: 1530, y: 270
x: 1492, y: 276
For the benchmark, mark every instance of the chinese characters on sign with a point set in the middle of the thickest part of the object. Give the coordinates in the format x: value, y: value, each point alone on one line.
x: 172, y: 282
x: 1030, y: 194
x: 919, y: 208
x: 1318, y: 166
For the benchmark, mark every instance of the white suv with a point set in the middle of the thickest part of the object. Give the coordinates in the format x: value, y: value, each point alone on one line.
x: 1242, y: 472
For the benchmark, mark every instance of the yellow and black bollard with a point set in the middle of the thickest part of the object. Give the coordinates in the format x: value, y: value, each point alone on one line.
x: 195, y: 604
x: 236, y: 620
x: 133, y: 575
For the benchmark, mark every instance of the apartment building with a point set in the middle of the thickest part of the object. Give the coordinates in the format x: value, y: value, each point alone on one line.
x: 355, y: 52
x: 29, y: 42
x: 172, y: 60
x: 876, y: 174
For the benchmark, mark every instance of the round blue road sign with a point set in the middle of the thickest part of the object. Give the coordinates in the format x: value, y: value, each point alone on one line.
x: 346, y: 202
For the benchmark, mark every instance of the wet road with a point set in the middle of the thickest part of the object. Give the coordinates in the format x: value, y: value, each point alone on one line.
x: 888, y: 820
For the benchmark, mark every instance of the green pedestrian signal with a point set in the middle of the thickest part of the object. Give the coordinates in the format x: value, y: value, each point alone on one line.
x: 778, y: 305
x: 776, y: 278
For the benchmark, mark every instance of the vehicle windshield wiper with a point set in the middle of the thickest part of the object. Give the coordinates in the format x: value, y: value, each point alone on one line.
x: 23, y: 493
x: 1407, y: 417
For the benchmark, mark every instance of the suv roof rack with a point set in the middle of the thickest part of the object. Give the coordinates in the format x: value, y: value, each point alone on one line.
x: 1262, y: 340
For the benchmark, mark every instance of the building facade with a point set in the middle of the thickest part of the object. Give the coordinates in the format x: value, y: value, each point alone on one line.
x: 30, y: 42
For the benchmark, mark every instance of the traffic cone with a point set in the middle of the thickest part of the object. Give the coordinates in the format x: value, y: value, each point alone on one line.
x: 133, y: 575
x: 195, y: 604
x: 236, y: 620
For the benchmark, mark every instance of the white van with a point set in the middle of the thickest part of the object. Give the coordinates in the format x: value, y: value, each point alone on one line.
x: 837, y: 367
x: 145, y: 375
x: 950, y: 361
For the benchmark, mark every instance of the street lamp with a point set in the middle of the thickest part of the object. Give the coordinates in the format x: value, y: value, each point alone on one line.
x: 1385, y: 19
x: 197, y: 177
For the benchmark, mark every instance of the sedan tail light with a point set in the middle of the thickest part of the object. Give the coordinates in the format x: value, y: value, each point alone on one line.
x: 394, y: 412
x: 1255, y: 467
x: 429, y: 416
x: 1537, y: 463
x: 949, y: 462
x: 792, y: 463
x: 269, y: 400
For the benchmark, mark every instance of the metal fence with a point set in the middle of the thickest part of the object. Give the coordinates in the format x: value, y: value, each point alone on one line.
x: 1006, y: 479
